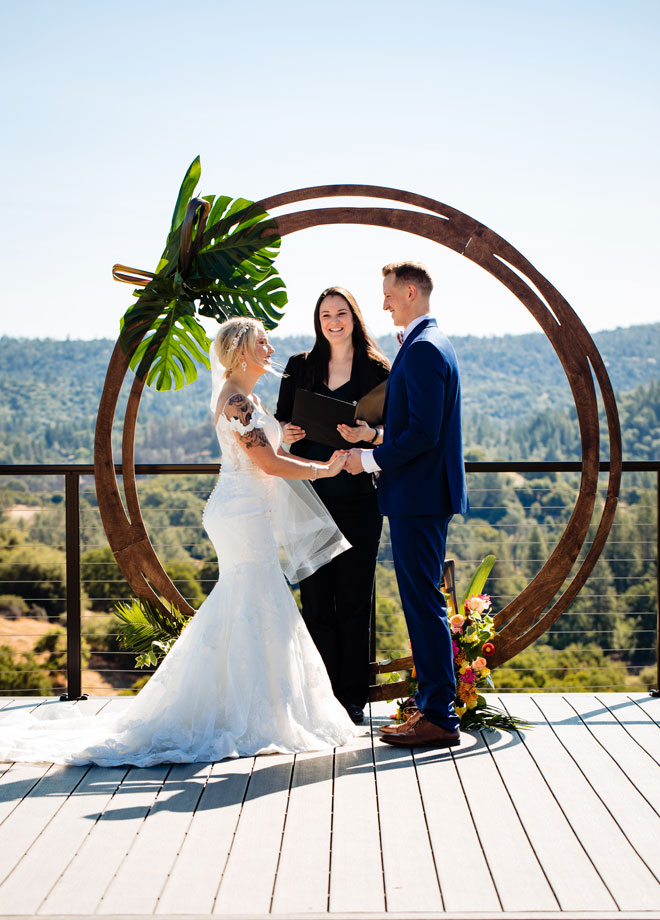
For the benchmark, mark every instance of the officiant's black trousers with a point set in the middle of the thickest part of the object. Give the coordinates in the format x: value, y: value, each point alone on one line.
x: 337, y: 599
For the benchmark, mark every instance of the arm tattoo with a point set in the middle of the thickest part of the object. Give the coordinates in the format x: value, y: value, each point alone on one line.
x: 255, y: 438
x: 243, y: 410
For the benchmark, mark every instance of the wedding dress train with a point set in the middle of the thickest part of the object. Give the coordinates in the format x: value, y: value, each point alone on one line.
x: 244, y: 677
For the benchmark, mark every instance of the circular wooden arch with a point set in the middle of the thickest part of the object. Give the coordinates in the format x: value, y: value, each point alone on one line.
x: 528, y: 615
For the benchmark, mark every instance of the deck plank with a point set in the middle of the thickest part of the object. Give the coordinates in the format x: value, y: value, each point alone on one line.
x: 637, y: 764
x: 37, y: 872
x: 452, y: 831
x: 16, y: 780
x: 626, y: 876
x: 649, y: 704
x: 303, y: 873
x: 635, y: 720
x: 570, y: 873
x: 249, y: 877
x: 15, y: 783
x: 516, y: 871
x: 26, y: 822
x: 356, y: 868
x: 639, y: 823
x: 80, y: 889
x: 411, y: 881
x: 194, y: 879
x: 140, y: 880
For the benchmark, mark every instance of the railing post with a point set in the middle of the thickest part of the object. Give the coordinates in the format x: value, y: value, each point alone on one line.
x: 73, y: 605
x: 656, y: 692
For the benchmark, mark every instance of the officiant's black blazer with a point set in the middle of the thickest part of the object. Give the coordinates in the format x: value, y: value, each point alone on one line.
x: 364, y: 377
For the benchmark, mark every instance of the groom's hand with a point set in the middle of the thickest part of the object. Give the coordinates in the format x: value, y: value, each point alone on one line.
x: 354, y: 461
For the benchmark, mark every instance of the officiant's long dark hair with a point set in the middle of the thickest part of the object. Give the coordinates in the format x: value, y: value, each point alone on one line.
x: 365, y: 350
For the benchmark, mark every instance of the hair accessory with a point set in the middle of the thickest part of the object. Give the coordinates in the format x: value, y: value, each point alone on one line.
x: 239, y: 335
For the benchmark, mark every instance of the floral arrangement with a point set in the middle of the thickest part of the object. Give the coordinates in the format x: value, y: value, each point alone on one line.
x: 473, y: 643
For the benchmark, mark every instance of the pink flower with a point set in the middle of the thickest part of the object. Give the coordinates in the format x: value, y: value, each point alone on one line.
x: 454, y: 647
x: 478, y: 603
x: 468, y: 676
x: 479, y: 663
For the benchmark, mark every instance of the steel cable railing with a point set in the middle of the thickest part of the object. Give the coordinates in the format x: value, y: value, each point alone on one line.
x: 613, y: 623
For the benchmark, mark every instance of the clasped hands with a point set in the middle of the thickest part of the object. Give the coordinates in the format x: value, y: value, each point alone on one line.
x: 351, y: 460
x: 361, y: 431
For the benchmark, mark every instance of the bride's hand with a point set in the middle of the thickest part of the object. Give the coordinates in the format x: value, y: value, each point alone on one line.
x: 335, y: 464
x: 358, y: 432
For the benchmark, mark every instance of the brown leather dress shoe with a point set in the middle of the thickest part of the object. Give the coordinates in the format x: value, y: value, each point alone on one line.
x: 397, y: 727
x: 422, y: 733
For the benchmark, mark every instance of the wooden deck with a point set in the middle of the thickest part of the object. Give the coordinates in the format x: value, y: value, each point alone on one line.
x: 561, y: 821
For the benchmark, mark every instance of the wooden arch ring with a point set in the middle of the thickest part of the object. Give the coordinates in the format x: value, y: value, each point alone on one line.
x: 529, y: 614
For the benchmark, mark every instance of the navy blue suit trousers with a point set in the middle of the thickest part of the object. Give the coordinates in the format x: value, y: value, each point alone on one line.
x: 418, y: 548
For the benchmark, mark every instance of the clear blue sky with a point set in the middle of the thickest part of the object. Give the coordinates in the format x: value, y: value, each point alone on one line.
x: 538, y: 117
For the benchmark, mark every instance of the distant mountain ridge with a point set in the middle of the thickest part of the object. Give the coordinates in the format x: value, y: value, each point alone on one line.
x: 50, y: 390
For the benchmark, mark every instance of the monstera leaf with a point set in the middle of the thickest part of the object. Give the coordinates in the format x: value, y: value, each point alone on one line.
x: 226, y: 268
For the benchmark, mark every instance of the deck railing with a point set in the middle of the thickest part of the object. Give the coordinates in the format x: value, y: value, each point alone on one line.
x: 484, y: 508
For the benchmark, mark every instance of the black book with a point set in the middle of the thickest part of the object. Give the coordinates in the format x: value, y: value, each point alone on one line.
x: 319, y: 415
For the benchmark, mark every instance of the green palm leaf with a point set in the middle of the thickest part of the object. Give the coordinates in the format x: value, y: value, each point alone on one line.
x: 231, y: 273
x: 478, y: 580
x: 148, y: 631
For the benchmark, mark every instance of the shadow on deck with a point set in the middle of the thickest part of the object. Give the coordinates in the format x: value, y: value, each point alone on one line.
x: 561, y: 821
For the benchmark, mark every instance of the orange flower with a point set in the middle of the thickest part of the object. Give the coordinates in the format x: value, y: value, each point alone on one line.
x: 468, y: 694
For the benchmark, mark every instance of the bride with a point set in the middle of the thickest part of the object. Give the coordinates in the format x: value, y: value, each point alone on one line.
x: 244, y: 677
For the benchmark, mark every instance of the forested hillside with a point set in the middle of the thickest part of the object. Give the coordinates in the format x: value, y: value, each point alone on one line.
x: 517, y: 402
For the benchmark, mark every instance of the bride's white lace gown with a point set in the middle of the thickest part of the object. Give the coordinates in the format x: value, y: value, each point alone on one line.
x: 244, y: 677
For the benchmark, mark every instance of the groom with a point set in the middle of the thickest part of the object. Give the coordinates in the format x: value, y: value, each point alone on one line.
x: 421, y: 485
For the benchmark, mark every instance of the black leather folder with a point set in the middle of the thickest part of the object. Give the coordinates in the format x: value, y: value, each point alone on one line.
x: 319, y: 415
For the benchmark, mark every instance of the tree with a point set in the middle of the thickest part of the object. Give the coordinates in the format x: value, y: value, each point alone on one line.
x: 577, y: 667
x: 40, y: 579
x: 184, y: 578
x: 22, y: 674
x: 103, y: 579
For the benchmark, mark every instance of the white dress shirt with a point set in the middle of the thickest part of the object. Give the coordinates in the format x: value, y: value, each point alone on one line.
x: 369, y: 465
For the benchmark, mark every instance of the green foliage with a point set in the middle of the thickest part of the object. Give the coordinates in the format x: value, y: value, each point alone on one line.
x: 40, y: 579
x: 184, y: 578
x: 101, y: 635
x: 54, y: 644
x: 208, y: 574
x: 144, y: 629
x: 22, y: 674
x: 478, y: 580
x: 103, y: 579
x: 12, y: 606
x: 574, y: 668
x: 229, y: 272
x: 391, y: 632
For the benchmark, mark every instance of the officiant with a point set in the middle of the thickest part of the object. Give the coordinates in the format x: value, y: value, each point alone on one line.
x: 344, y: 364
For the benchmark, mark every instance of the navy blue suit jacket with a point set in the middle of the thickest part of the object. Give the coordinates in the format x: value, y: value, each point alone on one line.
x: 421, y: 457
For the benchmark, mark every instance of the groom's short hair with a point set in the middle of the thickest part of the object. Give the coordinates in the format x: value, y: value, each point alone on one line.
x: 411, y: 273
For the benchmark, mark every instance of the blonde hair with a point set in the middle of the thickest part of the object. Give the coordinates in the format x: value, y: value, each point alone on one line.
x: 235, y: 336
